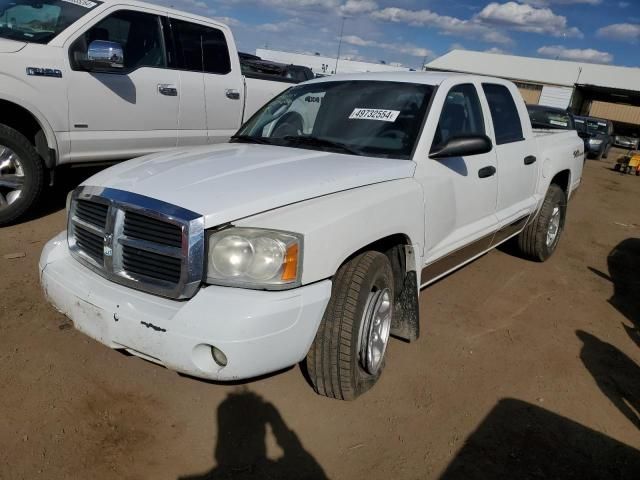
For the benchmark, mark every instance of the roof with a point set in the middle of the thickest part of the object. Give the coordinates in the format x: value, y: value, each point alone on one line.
x: 427, y: 78
x: 539, y: 70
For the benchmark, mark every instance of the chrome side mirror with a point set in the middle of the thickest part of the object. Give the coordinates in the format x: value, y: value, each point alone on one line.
x: 105, y: 55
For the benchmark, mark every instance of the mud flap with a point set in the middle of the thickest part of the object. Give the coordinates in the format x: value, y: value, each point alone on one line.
x: 406, y: 321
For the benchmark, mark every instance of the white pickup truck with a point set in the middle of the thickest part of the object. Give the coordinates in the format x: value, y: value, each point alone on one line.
x: 310, y: 235
x: 90, y: 80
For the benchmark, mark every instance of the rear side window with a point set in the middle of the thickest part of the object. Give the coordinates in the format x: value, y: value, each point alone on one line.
x: 506, y: 120
x: 200, y: 48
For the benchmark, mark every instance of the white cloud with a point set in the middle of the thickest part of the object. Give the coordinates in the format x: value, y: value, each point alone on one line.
x: 356, y: 7
x: 576, y: 54
x: 445, y: 24
x: 526, y: 18
x: 495, y: 50
x: 404, y: 48
x: 626, y: 32
x: 545, y: 3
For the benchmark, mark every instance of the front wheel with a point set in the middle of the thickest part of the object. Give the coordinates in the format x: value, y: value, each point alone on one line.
x: 347, y: 355
x: 21, y: 175
x: 540, y: 237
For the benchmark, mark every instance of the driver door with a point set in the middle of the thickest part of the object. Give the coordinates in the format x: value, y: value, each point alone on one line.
x: 126, y: 112
x: 460, y: 192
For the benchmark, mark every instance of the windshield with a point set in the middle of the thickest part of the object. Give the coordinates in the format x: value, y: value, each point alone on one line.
x: 381, y: 119
x: 39, y: 21
x: 595, y: 126
x: 541, y: 118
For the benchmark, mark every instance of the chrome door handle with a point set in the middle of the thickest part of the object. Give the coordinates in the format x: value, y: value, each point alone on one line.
x: 232, y: 94
x: 168, y: 90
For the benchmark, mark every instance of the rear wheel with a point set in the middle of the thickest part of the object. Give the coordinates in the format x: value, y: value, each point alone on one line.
x: 21, y: 175
x: 540, y: 237
x: 347, y: 355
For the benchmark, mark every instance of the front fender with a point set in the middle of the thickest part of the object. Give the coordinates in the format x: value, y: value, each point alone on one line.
x: 336, y: 226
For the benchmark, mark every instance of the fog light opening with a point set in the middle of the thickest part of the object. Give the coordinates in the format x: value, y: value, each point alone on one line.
x: 218, y: 357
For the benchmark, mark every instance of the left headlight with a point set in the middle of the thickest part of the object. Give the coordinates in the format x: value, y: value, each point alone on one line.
x: 254, y: 258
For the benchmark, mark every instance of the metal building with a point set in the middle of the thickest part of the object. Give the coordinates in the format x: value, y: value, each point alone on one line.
x: 327, y: 65
x: 602, y: 91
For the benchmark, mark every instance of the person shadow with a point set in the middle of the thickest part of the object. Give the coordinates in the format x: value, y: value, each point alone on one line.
x: 623, y: 263
x: 615, y: 373
x: 241, y: 449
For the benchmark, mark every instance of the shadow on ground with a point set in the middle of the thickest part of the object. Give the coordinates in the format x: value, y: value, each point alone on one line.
x: 241, y: 450
x: 518, y: 440
x: 623, y: 263
x: 615, y: 374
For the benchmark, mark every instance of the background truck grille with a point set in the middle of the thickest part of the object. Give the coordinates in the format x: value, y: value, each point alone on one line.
x: 147, y: 228
x: 137, y: 241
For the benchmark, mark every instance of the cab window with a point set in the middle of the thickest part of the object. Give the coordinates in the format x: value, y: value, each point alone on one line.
x: 504, y: 114
x: 461, y: 115
x: 200, y: 48
x: 138, y: 33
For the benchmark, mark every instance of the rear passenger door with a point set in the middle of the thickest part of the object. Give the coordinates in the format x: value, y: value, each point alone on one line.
x: 203, y: 54
x: 517, y: 169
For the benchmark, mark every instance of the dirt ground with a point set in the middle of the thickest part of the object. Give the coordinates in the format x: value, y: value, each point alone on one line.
x: 524, y: 370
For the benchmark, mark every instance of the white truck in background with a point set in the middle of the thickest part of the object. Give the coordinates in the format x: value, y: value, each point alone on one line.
x: 309, y: 236
x: 102, y: 80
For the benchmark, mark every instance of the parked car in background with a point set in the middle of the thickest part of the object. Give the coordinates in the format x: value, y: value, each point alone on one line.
x: 255, y: 67
x: 310, y: 235
x: 598, y: 135
x: 550, y: 118
x: 627, y: 141
x: 84, y: 81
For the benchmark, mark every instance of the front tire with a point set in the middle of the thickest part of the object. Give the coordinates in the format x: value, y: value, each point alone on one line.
x: 347, y: 355
x: 21, y: 175
x: 540, y: 237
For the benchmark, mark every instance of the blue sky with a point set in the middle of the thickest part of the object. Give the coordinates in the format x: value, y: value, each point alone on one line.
x: 407, y: 31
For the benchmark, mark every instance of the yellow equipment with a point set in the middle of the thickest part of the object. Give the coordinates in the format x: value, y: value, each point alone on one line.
x: 629, y: 163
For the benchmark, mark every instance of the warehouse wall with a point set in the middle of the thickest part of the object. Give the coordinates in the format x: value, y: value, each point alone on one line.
x: 615, y: 111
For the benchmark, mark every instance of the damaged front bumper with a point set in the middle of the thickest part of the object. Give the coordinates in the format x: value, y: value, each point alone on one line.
x: 259, y: 332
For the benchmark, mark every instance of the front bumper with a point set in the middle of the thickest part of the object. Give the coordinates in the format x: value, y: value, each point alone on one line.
x: 259, y: 332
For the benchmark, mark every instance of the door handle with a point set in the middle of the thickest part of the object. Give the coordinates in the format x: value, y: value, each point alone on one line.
x: 168, y: 90
x: 232, y: 94
x: 487, y: 172
x: 528, y: 160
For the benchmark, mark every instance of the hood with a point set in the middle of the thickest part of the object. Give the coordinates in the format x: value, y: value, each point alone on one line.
x: 11, y: 46
x: 231, y: 181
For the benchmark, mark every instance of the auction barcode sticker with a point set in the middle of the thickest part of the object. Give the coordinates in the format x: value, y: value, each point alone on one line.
x: 374, y: 114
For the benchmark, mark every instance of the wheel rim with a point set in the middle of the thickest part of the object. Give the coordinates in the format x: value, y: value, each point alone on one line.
x: 376, y: 322
x: 11, y: 177
x: 554, y: 226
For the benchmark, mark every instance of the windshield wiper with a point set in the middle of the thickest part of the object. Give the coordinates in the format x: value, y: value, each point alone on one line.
x: 320, y: 142
x: 251, y: 139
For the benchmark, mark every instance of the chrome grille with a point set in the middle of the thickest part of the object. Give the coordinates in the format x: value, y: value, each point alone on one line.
x: 148, y: 228
x: 93, y: 213
x: 137, y: 241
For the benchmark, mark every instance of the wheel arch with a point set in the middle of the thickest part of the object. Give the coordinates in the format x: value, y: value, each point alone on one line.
x: 563, y: 180
x: 29, y: 122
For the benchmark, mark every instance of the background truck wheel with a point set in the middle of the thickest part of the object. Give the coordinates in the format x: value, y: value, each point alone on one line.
x: 540, y: 238
x: 21, y: 175
x: 347, y: 355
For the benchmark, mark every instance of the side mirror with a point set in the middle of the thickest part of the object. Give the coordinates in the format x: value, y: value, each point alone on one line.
x: 103, y: 55
x: 463, y: 146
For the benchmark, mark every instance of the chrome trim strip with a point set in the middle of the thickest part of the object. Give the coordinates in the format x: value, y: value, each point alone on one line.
x: 191, y: 253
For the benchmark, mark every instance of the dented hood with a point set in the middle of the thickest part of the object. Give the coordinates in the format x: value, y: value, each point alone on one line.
x: 231, y: 181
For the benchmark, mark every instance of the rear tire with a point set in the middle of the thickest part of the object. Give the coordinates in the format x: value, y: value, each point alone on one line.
x: 540, y: 237
x: 337, y: 363
x: 21, y: 175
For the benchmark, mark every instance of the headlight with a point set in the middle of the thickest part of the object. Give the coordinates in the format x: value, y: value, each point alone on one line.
x: 595, y: 141
x: 254, y: 258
